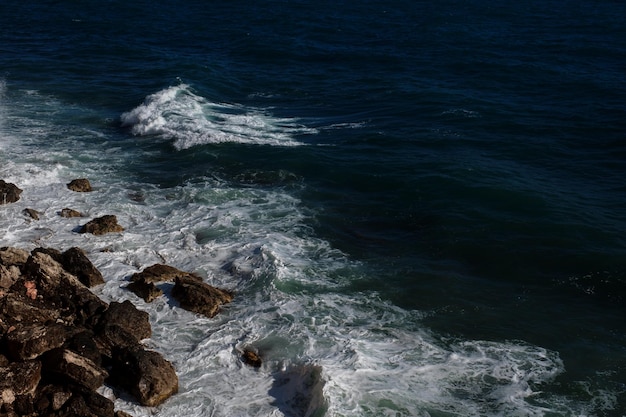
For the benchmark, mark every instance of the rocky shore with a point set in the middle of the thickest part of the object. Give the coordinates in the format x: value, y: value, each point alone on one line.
x: 59, y: 342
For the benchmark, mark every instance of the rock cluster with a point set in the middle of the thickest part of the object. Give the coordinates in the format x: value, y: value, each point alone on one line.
x: 59, y: 342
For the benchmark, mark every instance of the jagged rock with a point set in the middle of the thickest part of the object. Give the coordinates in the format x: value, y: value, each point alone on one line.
x: 14, y: 310
x: 83, y: 342
x: 199, y: 297
x: 9, y: 193
x: 102, y: 225
x: 32, y: 213
x: 251, y: 358
x: 111, y: 337
x: 129, y: 318
x: 80, y: 185
x: 29, y: 341
x: 77, y: 263
x: 70, y: 367
x: 8, y: 276
x: 87, y: 404
x: 68, y: 212
x: 13, y: 256
x: 146, y: 290
x: 145, y: 374
x: 17, y: 379
x: 120, y: 413
x: 160, y: 273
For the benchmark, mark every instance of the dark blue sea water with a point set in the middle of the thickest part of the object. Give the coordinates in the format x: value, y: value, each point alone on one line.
x: 424, y: 199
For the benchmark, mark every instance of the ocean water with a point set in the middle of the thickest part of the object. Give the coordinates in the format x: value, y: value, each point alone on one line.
x: 419, y: 205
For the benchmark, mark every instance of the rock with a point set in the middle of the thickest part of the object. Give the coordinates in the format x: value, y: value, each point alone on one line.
x: 111, y: 337
x: 102, y: 225
x: 70, y: 367
x: 80, y: 185
x: 120, y: 413
x: 129, y: 318
x: 14, y: 310
x: 145, y: 374
x: 146, y: 290
x: 8, y: 276
x: 33, y: 214
x: 29, y: 341
x: 83, y: 342
x: 17, y: 379
x: 9, y: 193
x: 251, y: 358
x: 76, y: 262
x: 160, y: 273
x: 68, y: 212
x: 298, y: 391
x: 87, y: 404
x: 199, y: 297
x: 13, y: 256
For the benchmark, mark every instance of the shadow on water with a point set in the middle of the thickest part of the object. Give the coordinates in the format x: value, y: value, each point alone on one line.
x: 298, y: 391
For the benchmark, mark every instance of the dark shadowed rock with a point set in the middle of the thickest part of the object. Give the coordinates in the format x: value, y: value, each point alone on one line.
x: 9, y: 193
x: 67, y: 366
x: 251, y: 358
x: 145, y: 374
x: 32, y: 213
x: 83, y: 342
x: 298, y: 391
x: 15, y: 309
x: 87, y: 404
x: 111, y: 337
x: 18, y: 379
x: 80, y: 185
x: 129, y: 318
x: 68, y: 212
x: 199, y: 297
x: 146, y: 290
x: 102, y: 225
x: 29, y: 341
x: 77, y: 263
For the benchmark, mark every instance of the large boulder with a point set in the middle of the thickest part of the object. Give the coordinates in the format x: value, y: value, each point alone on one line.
x: 145, y: 374
x: 77, y: 263
x: 69, y: 367
x: 102, y: 225
x: 199, y: 297
x: 129, y: 318
x: 81, y: 185
x: 9, y: 193
x: 13, y: 256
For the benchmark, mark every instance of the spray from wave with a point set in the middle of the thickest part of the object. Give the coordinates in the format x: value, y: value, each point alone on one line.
x: 177, y: 113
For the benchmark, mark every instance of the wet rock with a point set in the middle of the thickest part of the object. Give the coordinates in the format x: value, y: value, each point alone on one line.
x: 68, y: 212
x: 159, y: 273
x: 145, y: 374
x: 33, y: 214
x: 199, y: 297
x: 80, y: 185
x: 251, y: 358
x: 102, y: 225
x: 146, y: 290
x: 29, y: 341
x: 298, y: 391
x: 76, y: 262
x: 9, y: 193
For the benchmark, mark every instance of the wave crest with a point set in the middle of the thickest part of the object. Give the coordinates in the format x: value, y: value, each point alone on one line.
x: 177, y: 113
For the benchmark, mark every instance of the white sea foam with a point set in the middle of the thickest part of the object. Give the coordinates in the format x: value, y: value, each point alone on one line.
x: 178, y: 114
x: 291, y: 305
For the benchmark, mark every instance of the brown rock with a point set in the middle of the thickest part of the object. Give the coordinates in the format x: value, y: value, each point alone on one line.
x: 9, y: 193
x: 146, y: 290
x: 70, y: 367
x: 113, y: 337
x: 129, y: 318
x: 68, y: 212
x: 76, y: 262
x: 87, y: 404
x: 14, y: 310
x: 29, y: 341
x: 8, y: 276
x: 19, y: 378
x: 13, y: 256
x: 33, y: 214
x: 80, y: 185
x: 145, y: 374
x: 159, y: 273
x: 199, y: 297
x: 102, y: 225
x: 251, y: 358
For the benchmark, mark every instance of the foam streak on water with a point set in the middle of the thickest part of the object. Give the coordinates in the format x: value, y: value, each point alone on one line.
x: 178, y: 114
x: 374, y: 359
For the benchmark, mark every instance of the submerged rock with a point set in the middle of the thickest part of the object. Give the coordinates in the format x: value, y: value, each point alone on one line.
x: 298, y: 391
x: 9, y: 193
x: 32, y: 213
x: 81, y: 185
x: 102, y: 225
